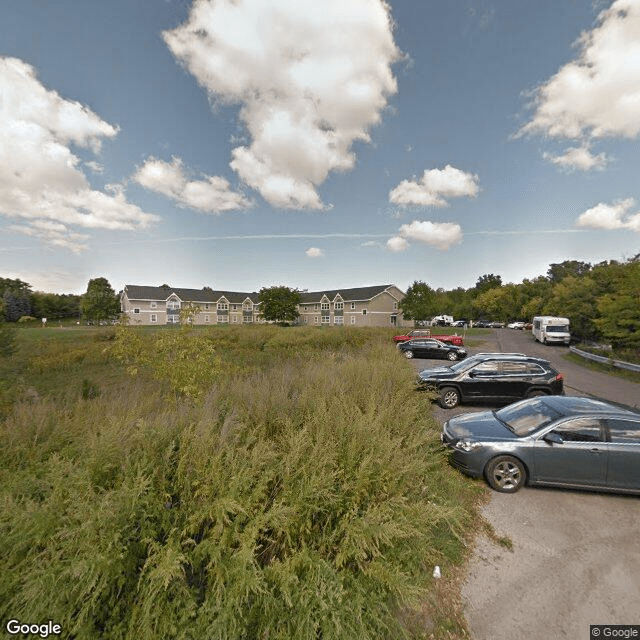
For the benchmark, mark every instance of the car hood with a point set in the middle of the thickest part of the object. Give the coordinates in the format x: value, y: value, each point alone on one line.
x: 481, y: 425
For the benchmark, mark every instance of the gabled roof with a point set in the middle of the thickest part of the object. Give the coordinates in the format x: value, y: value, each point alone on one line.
x: 136, y: 292
x: 356, y: 294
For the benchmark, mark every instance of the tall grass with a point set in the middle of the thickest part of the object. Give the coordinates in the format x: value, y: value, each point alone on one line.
x: 304, y: 496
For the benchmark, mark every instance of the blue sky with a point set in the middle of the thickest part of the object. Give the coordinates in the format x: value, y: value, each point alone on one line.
x: 315, y: 143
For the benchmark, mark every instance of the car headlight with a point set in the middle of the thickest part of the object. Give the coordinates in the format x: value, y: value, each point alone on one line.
x: 467, y: 445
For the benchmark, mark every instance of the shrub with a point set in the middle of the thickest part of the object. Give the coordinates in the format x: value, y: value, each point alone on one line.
x: 304, y: 499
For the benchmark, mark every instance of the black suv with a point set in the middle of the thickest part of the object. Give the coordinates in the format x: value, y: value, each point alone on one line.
x: 498, y: 377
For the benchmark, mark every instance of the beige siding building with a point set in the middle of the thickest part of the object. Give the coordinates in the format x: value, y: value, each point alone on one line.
x: 375, y: 306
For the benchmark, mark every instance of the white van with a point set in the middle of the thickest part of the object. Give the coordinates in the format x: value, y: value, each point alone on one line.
x: 551, y: 330
x: 442, y: 320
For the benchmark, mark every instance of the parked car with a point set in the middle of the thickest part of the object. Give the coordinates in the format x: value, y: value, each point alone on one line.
x: 496, y: 325
x: 482, y: 324
x: 460, y: 323
x: 557, y: 440
x: 515, y: 325
x: 431, y: 348
x: 495, y: 377
x: 426, y: 333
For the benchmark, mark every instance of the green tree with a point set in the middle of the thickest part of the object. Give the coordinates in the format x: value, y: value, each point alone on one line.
x: 619, y: 311
x: 559, y: 271
x: 486, y: 282
x: 279, y: 304
x: 420, y: 303
x: 100, y: 301
x: 575, y: 298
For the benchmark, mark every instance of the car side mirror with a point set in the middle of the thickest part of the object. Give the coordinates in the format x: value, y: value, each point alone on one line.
x: 553, y: 438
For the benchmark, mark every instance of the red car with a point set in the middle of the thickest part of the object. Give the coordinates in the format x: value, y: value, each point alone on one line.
x: 426, y: 333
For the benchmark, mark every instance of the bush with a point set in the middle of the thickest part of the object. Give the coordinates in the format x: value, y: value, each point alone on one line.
x: 305, y: 499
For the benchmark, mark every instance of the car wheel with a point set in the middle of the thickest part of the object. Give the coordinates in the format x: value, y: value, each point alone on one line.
x: 535, y: 393
x: 449, y: 398
x: 408, y: 354
x: 452, y: 355
x: 505, y: 474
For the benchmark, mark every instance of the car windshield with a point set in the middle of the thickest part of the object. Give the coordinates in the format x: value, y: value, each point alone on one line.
x: 558, y: 328
x: 527, y: 416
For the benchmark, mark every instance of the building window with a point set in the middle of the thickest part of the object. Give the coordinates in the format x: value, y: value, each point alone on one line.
x: 136, y: 311
x: 206, y: 318
x: 353, y: 319
x: 235, y: 318
x: 324, y: 306
x: 224, y: 306
x: 154, y: 317
x: 395, y: 306
x: 353, y: 305
x: 223, y: 319
x: 315, y: 319
x: 364, y: 312
x: 338, y: 305
x: 325, y: 320
x: 338, y: 320
x: 154, y: 305
x: 173, y: 305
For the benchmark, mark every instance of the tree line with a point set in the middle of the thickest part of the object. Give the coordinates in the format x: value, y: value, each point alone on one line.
x: 602, y: 301
x: 19, y: 302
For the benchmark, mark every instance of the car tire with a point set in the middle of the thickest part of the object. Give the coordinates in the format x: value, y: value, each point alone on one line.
x: 452, y: 355
x: 408, y: 354
x: 449, y: 398
x: 505, y: 474
x: 536, y: 393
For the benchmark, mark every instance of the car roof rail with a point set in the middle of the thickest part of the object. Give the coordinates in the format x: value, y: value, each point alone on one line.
x: 499, y: 355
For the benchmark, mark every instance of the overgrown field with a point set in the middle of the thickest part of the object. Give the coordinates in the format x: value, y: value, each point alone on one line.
x: 292, y: 487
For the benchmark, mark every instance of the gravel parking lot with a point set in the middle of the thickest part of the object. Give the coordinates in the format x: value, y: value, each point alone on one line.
x: 576, y: 555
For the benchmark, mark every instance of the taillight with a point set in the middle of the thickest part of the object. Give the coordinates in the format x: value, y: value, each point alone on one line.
x: 559, y: 377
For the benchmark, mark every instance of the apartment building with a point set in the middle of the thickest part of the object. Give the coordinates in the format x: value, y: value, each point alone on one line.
x: 375, y: 306
x: 162, y: 305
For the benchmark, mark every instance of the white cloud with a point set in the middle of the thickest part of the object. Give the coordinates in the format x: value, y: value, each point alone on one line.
x: 441, y: 235
x: 397, y: 244
x: 314, y: 252
x: 311, y: 78
x: 578, y: 158
x: 435, y: 186
x: 40, y: 178
x: 213, y: 194
x: 611, y: 216
x: 598, y: 94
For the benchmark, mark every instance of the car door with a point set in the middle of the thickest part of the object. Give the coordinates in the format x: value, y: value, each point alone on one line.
x: 581, y: 458
x: 515, y: 379
x: 623, y: 466
x: 482, y: 381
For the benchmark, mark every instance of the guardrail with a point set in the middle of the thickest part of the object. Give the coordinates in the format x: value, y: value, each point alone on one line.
x: 616, y: 363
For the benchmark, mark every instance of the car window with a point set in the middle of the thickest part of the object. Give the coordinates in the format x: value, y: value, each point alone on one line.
x: 514, y: 368
x: 624, y: 430
x: 489, y: 368
x: 534, y: 369
x: 580, y: 430
x: 527, y: 416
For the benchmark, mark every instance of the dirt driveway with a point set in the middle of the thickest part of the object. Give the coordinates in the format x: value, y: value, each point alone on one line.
x: 576, y: 555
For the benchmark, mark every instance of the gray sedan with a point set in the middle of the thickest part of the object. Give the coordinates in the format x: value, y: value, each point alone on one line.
x: 556, y: 441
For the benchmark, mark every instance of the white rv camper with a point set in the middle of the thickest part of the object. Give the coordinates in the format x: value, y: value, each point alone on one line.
x: 551, y: 330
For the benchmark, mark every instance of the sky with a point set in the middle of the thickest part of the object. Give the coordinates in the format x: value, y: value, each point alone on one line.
x: 316, y: 144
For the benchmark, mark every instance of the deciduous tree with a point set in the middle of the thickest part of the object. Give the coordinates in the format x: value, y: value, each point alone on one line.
x: 279, y: 304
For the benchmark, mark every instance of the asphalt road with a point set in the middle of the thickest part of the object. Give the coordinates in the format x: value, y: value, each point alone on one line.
x: 575, y: 560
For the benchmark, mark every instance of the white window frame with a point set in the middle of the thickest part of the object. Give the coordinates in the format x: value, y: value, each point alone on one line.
x: 338, y: 320
x: 154, y: 317
x: 353, y: 319
x: 153, y: 305
x: 353, y: 305
x: 338, y: 305
x: 136, y: 311
x: 325, y: 306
